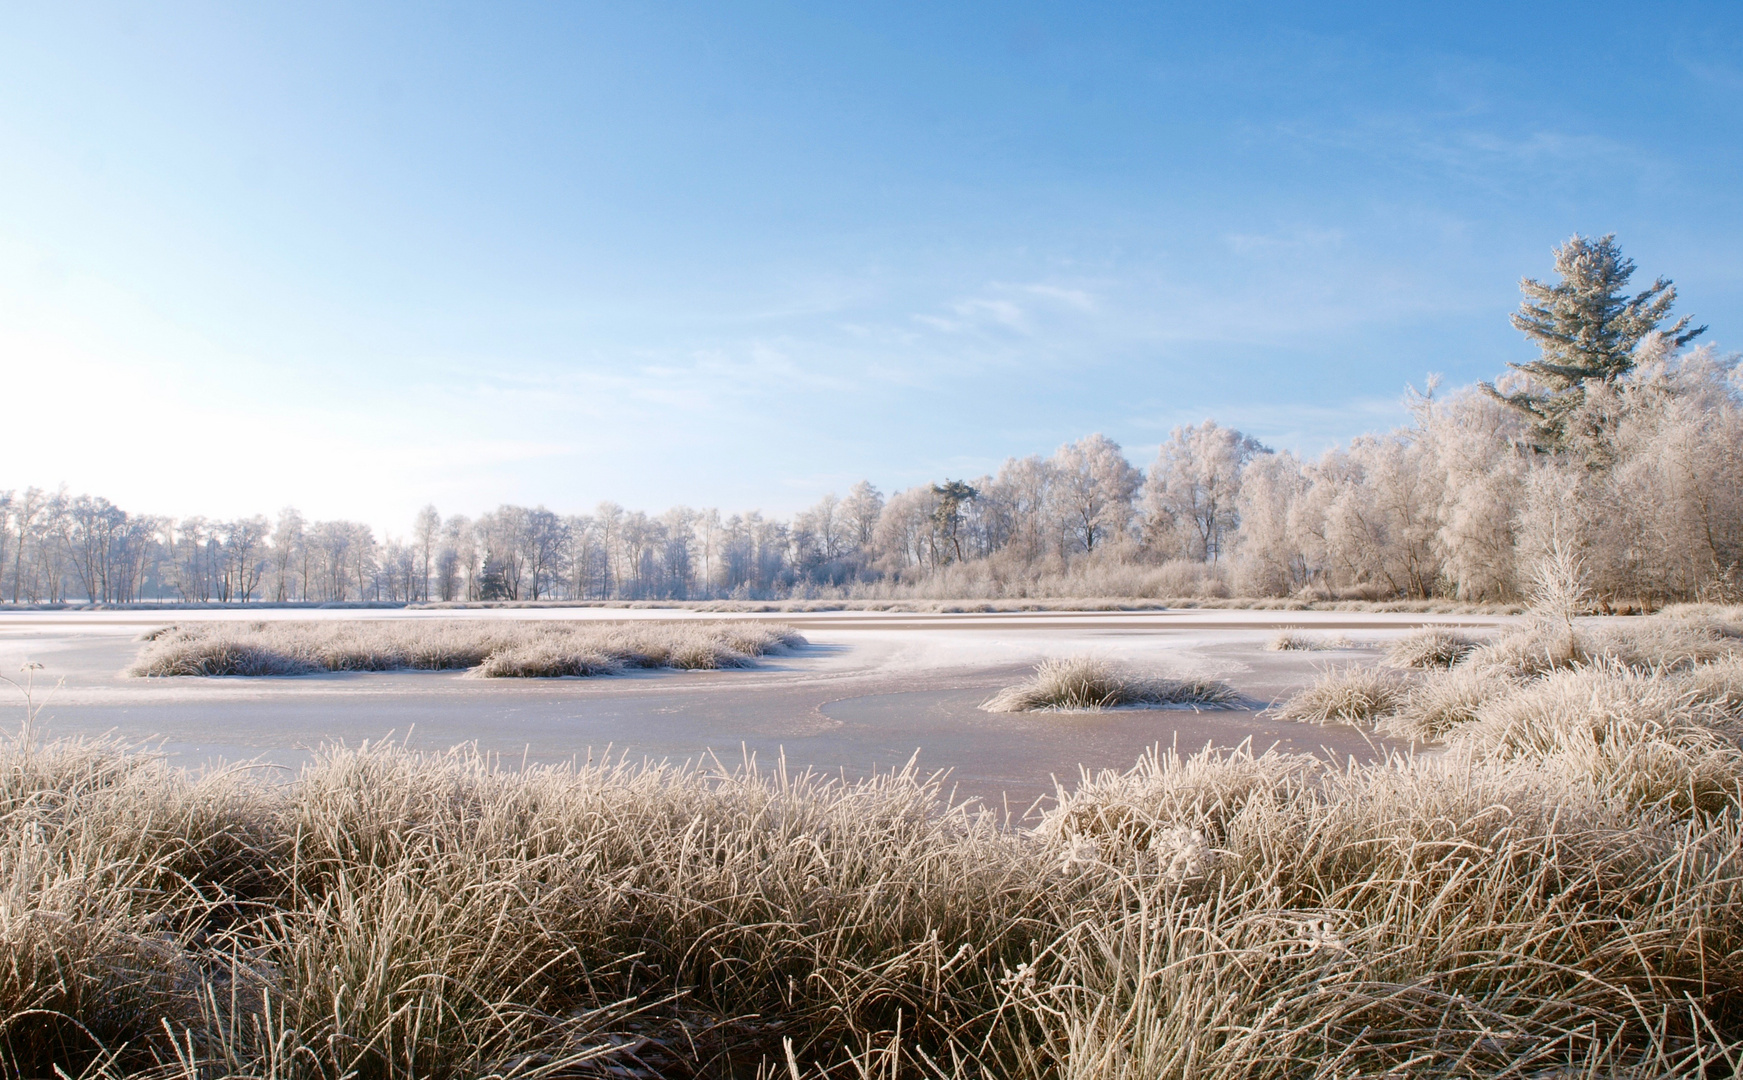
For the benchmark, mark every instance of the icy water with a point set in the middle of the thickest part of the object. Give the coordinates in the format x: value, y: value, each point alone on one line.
x: 869, y: 693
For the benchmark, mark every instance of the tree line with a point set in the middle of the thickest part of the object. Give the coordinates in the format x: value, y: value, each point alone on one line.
x: 1621, y: 443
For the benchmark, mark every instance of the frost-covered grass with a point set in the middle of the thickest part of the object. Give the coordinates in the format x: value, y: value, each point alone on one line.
x: 1680, y: 669
x: 1354, y: 695
x: 1295, y: 639
x: 1430, y: 647
x: 1441, y: 701
x: 1087, y: 684
x: 492, y: 649
x: 1527, y: 911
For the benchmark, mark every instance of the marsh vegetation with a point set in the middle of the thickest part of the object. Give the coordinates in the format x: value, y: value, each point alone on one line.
x: 1089, y: 684
x: 488, y: 648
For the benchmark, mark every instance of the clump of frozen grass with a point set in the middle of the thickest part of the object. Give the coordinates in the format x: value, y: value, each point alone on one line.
x: 1719, y: 684
x: 1119, y: 812
x: 1660, y: 644
x: 1429, y: 647
x: 1643, y: 644
x: 531, y: 649
x: 1441, y: 701
x: 1638, y: 736
x: 546, y: 660
x: 1354, y: 695
x: 1295, y: 639
x: 191, y: 654
x: 1088, y: 684
x: 1529, y: 651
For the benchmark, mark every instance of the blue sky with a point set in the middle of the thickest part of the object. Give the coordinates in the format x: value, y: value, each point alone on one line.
x: 360, y: 257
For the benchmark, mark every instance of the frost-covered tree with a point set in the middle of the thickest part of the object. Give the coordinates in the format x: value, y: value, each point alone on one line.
x: 1587, y: 327
x: 1268, y: 560
x: 27, y: 514
x: 1092, y: 488
x: 287, y: 554
x: 907, y: 532
x: 1192, y: 495
x: 1020, y: 506
x: 860, y: 511
x: 426, y: 540
x: 244, y: 556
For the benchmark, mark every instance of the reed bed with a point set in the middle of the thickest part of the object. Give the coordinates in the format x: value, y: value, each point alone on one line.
x: 491, y: 649
x: 1225, y: 914
x: 1090, y: 684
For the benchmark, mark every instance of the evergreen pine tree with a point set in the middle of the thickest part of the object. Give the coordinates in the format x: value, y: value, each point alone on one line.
x: 1587, y: 327
x: 491, y: 584
x: 948, y: 515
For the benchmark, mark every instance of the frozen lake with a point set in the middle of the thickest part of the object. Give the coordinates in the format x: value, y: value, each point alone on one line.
x: 870, y: 691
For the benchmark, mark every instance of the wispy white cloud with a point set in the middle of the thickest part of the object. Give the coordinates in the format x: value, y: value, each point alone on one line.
x: 1293, y: 240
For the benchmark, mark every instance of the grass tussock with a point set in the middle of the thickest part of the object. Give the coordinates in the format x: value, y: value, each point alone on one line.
x: 529, y: 649
x: 1295, y: 639
x: 1719, y: 684
x: 1227, y: 914
x: 1354, y: 695
x: 1089, y: 684
x: 1430, y: 647
x: 1441, y: 701
x: 1641, y: 738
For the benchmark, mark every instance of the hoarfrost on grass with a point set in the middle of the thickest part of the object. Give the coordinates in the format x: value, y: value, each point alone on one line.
x: 1090, y: 684
x: 491, y: 649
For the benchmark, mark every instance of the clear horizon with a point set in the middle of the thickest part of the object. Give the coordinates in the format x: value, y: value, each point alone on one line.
x: 360, y: 260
